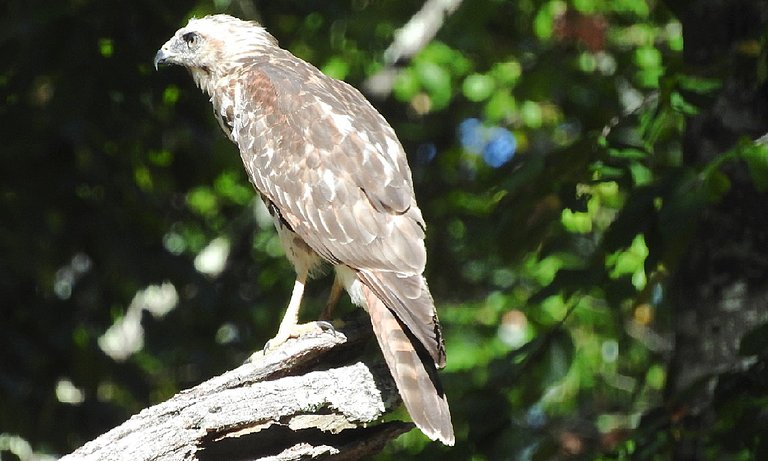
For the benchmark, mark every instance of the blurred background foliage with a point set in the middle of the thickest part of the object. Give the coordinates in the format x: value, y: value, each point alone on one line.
x: 593, y: 174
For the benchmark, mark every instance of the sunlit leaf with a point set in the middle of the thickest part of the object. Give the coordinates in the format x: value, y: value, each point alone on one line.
x: 579, y: 223
x: 681, y: 105
x: 437, y: 81
x: 478, y: 87
x: 698, y: 84
x: 500, y: 106
x: 648, y: 57
x: 531, y: 114
x: 202, y: 200
x: 506, y: 73
x: 336, y: 67
x: 106, y: 47
x: 406, y: 85
x: 230, y: 186
x: 756, y: 156
x: 171, y: 95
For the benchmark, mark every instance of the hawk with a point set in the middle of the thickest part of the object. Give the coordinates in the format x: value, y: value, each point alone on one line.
x: 336, y: 181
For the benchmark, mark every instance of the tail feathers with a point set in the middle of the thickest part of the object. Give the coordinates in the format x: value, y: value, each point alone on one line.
x: 408, y: 297
x: 415, y: 374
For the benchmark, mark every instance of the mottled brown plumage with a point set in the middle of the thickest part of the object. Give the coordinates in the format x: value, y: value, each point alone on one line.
x: 336, y: 180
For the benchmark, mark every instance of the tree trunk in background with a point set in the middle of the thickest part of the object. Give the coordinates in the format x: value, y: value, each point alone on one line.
x: 720, y: 290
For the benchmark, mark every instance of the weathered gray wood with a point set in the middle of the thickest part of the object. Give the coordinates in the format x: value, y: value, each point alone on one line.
x: 279, y: 406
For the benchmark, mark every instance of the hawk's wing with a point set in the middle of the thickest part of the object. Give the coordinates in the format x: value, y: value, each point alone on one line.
x: 331, y: 164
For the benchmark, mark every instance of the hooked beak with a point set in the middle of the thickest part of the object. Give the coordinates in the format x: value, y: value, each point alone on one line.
x: 162, y: 57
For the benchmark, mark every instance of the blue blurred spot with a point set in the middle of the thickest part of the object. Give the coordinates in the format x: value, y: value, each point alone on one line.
x: 425, y: 153
x: 471, y: 135
x: 535, y: 417
x: 500, y: 148
x: 657, y: 294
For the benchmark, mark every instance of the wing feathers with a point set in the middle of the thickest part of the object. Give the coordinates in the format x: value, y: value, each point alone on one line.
x: 335, y: 141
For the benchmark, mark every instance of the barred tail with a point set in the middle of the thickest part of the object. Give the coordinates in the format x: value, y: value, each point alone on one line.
x: 413, y: 369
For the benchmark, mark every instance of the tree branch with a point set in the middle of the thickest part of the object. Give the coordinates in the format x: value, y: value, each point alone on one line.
x: 409, y: 40
x: 313, y: 396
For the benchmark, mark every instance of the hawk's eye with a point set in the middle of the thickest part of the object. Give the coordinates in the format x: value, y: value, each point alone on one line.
x: 190, y: 38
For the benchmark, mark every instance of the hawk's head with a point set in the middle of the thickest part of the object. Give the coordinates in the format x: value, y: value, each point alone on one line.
x: 209, y: 46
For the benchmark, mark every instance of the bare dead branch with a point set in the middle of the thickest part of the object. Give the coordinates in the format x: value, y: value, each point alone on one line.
x: 313, y: 396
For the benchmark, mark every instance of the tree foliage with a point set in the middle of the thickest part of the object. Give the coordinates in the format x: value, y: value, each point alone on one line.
x: 573, y: 160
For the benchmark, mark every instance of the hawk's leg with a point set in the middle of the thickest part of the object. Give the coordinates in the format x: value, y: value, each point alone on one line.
x: 333, y: 299
x: 290, y: 326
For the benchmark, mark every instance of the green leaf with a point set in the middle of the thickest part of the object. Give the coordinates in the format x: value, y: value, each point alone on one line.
x: 628, y: 153
x: 143, y: 178
x: 698, y: 84
x: 478, y: 87
x: 543, y: 23
x: 336, y: 67
x: 406, y: 85
x: 437, y: 81
x: 202, y: 200
x: 506, y: 73
x: 161, y: 157
x: 106, y: 47
x: 648, y: 57
x: 681, y: 105
x: 228, y: 186
x: 717, y: 185
x: 576, y: 222
x: 629, y: 261
x: 171, y: 95
x: 500, y: 106
x: 641, y: 174
x: 531, y: 114
x: 437, y: 52
x: 640, y: 9
x: 756, y: 156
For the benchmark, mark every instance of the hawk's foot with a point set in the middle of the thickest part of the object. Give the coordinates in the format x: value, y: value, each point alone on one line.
x: 298, y: 330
